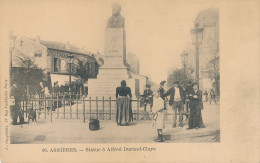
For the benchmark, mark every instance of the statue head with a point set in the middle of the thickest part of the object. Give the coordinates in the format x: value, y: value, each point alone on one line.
x: 116, y: 8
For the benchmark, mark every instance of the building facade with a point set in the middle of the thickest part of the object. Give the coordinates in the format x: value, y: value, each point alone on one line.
x: 53, y: 58
x: 208, y: 20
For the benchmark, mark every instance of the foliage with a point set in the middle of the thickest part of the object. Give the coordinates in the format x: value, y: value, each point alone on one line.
x: 178, y: 75
x: 28, y: 75
x: 212, y: 72
x: 81, y: 69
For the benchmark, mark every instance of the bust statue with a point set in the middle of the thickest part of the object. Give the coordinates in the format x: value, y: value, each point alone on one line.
x: 116, y: 20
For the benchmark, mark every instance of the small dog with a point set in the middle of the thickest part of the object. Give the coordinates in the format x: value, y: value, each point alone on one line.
x: 32, y: 115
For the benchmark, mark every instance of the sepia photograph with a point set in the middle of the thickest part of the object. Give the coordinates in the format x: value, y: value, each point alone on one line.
x: 68, y: 87
x: 131, y: 77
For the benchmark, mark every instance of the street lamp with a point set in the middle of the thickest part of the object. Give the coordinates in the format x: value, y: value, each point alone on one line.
x: 70, y: 62
x: 196, y: 37
x: 184, y: 56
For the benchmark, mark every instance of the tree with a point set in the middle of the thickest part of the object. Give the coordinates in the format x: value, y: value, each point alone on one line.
x: 179, y: 75
x: 81, y: 69
x: 212, y: 72
x: 28, y: 76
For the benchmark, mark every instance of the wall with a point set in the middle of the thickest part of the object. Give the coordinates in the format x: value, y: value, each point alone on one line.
x: 35, y: 51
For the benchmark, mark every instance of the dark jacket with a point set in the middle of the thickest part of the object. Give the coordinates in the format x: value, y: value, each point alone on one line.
x: 123, y: 91
x: 171, y: 92
x: 148, y: 93
x: 196, y: 102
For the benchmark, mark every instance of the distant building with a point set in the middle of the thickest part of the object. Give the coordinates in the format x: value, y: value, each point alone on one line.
x: 133, y: 62
x: 53, y: 58
x: 208, y: 20
x: 140, y: 80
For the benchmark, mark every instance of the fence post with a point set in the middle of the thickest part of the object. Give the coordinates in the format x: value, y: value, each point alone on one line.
x: 39, y: 104
x: 84, y: 114
x: 77, y: 107
x: 89, y: 107
x: 26, y: 107
x: 23, y: 107
x: 35, y: 103
x: 103, y: 102
x: 138, y: 112
x: 57, y: 106
x: 44, y: 106
x: 97, y: 107
x: 53, y: 101
x: 115, y: 105
x: 110, y: 108
x: 32, y: 103
x: 70, y: 107
x: 64, y: 106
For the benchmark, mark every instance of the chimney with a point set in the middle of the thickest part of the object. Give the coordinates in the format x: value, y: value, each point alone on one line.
x: 38, y: 39
x: 67, y: 45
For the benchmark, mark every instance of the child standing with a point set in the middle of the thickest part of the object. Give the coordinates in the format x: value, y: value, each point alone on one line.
x: 158, y: 112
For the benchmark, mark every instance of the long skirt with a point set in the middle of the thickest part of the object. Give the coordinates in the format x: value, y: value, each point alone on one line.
x: 159, y: 120
x: 123, y: 110
x: 195, y: 116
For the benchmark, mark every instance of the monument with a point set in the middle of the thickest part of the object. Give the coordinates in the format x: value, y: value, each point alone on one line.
x: 115, y: 68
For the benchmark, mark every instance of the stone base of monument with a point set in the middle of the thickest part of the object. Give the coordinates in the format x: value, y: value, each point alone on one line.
x: 102, y: 91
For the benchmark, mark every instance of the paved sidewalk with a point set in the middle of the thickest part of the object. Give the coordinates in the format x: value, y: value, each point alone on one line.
x: 75, y: 131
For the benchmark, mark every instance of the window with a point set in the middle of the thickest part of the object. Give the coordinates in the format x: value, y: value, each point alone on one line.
x: 55, y: 61
x: 90, y: 69
x: 63, y: 65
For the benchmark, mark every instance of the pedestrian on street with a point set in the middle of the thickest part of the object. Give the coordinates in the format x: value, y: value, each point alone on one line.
x: 177, y: 101
x: 124, y: 107
x: 15, y: 108
x: 206, y: 95
x: 148, y: 97
x: 196, y: 105
x: 158, y: 115
x: 212, y: 96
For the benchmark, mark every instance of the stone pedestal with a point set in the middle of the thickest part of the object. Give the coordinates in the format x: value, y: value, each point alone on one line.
x: 114, y: 69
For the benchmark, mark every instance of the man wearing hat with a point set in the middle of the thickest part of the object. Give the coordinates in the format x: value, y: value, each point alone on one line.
x: 148, y: 97
x: 177, y: 99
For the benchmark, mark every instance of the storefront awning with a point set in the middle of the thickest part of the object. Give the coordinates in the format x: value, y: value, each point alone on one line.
x: 63, y: 79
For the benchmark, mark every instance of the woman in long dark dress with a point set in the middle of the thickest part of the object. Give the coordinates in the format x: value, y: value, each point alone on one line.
x: 124, y: 109
x: 195, y: 96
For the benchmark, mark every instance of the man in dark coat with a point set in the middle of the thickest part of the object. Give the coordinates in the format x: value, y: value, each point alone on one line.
x: 177, y: 99
x: 148, y: 97
x: 16, y: 95
x: 196, y: 105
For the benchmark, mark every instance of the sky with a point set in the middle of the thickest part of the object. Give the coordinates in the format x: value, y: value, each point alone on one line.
x: 156, y: 31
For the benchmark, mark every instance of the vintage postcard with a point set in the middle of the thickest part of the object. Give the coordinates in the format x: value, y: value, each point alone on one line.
x: 129, y: 81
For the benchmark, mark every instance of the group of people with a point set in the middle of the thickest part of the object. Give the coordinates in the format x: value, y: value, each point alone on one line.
x: 178, y: 97
x: 157, y: 100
